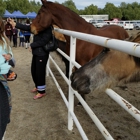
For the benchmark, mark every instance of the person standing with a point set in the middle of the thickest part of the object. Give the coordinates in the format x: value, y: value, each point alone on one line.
x: 15, y: 33
x: 5, y: 55
x: 21, y: 38
x: 39, y: 58
x: 27, y: 35
x: 8, y: 31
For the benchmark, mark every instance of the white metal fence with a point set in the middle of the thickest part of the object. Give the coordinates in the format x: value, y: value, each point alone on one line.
x: 127, y: 47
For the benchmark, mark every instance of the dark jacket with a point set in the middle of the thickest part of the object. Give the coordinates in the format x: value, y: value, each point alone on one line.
x: 39, y: 40
x: 8, y: 29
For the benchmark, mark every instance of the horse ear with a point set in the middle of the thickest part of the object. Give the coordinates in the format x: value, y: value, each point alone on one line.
x: 43, y: 1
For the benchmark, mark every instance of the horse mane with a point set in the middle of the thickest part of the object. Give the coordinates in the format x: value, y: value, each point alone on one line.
x: 64, y: 8
x: 135, y: 38
x: 135, y: 75
x: 58, y: 35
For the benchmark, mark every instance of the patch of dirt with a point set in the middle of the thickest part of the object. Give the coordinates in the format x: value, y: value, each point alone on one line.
x: 47, y: 118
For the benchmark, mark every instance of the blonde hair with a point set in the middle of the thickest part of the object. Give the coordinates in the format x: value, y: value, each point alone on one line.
x: 2, y: 35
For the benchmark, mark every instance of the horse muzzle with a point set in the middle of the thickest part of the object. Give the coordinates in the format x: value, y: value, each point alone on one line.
x: 34, y: 30
x: 80, y: 83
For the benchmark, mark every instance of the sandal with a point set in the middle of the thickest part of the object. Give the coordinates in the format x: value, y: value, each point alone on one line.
x: 38, y: 95
x: 34, y: 90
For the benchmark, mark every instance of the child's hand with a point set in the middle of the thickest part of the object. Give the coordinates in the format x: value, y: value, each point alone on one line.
x: 11, y: 21
x: 7, y: 57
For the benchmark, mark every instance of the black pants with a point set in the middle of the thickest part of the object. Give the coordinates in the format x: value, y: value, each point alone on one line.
x: 38, y: 70
x: 27, y: 38
x: 4, y: 110
x: 15, y: 41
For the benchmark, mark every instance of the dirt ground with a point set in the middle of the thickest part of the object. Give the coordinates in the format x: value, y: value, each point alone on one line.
x: 46, y: 118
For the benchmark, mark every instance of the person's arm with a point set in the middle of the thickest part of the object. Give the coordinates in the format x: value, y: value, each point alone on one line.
x: 8, y: 54
x: 19, y: 25
x: 23, y: 27
x: 44, y: 39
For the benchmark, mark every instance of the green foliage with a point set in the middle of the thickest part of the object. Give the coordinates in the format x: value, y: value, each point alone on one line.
x: 71, y: 5
x: 23, y: 5
x: 2, y: 7
x: 112, y: 11
x: 125, y: 11
x: 91, y: 10
x: 130, y: 11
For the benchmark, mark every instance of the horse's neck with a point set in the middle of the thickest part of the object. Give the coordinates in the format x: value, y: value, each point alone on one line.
x: 67, y: 19
x: 75, y: 25
x: 62, y: 45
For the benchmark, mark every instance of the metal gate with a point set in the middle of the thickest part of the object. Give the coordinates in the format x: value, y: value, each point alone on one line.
x: 127, y: 47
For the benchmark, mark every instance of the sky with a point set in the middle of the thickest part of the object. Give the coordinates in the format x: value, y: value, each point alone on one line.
x: 81, y: 4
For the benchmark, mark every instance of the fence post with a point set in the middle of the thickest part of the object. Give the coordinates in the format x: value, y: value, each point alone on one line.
x: 71, y: 94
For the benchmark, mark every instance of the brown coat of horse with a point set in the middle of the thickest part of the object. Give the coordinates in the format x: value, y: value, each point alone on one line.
x: 109, y: 69
x: 56, y: 14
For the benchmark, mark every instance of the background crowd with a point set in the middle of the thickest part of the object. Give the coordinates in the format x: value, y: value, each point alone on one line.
x: 18, y: 38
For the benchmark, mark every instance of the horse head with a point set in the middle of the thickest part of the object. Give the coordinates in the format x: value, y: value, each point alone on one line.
x: 107, y: 70
x: 43, y: 18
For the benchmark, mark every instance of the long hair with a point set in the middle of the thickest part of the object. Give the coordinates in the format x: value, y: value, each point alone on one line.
x: 2, y: 35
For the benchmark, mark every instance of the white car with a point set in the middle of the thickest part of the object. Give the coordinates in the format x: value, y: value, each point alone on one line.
x: 137, y: 26
x: 128, y: 25
x: 99, y: 23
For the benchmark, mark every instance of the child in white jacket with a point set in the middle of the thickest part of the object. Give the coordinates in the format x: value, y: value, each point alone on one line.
x: 5, y: 56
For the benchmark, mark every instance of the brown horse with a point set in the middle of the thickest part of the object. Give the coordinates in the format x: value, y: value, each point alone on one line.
x: 56, y: 14
x: 110, y: 68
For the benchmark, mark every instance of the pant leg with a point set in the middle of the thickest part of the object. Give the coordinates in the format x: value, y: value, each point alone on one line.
x: 16, y: 42
x: 33, y: 70
x: 20, y: 41
x: 4, y: 110
x: 41, y: 63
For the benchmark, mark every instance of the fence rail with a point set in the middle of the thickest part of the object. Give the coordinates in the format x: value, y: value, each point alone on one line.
x: 127, y: 47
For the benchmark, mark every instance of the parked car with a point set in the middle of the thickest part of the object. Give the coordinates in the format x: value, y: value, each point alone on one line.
x: 137, y: 25
x: 128, y: 25
x: 98, y: 23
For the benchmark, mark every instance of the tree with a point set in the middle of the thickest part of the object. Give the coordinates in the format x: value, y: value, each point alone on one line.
x: 124, y: 11
x: 2, y: 8
x: 71, y: 5
x: 112, y: 11
x: 91, y: 10
x: 34, y: 7
x: 23, y: 5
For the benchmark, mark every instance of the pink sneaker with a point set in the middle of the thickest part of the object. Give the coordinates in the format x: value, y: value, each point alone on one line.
x: 34, y: 90
x: 38, y: 95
